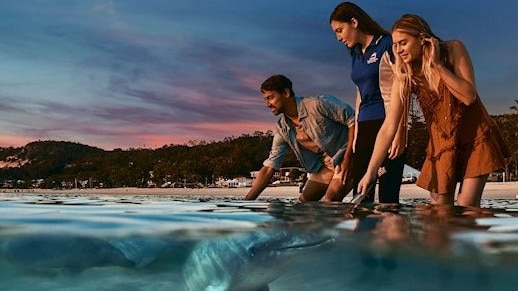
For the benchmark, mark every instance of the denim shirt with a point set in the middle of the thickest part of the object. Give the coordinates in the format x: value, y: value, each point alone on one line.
x: 326, y: 120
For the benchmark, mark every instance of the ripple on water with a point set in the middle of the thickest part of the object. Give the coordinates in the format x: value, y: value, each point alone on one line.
x: 385, y: 243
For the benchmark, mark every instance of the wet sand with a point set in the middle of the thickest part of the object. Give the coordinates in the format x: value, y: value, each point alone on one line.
x: 493, y: 190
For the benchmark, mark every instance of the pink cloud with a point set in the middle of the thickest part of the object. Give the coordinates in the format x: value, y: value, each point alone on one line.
x: 206, y: 131
x: 7, y: 140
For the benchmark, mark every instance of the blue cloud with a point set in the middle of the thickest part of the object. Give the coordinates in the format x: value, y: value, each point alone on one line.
x: 117, y: 73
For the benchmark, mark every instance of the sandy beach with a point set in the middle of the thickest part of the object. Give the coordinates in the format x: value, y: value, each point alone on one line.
x: 493, y: 190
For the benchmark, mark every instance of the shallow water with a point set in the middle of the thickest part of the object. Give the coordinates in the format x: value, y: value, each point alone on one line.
x: 76, y: 242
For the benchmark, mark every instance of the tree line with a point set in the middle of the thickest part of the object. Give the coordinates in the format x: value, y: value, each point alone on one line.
x: 58, y: 164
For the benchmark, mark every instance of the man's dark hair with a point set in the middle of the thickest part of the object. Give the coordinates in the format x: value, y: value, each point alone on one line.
x: 277, y: 83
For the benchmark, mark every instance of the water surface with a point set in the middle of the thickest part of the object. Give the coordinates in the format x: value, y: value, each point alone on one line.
x: 88, y: 242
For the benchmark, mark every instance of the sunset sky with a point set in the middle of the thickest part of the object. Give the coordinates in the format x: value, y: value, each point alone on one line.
x: 131, y: 73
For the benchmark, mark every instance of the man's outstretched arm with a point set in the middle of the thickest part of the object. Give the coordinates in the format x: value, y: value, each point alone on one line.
x: 260, y: 183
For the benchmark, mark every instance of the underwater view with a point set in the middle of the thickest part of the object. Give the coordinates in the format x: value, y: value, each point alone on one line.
x: 125, y: 242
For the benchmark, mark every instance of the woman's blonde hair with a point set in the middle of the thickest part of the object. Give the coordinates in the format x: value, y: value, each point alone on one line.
x: 417, y: 27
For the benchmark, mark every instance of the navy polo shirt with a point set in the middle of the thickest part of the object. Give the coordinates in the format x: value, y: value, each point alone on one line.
x: 365, y: 74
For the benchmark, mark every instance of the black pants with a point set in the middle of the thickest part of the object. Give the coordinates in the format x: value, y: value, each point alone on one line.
x: 390, y: 182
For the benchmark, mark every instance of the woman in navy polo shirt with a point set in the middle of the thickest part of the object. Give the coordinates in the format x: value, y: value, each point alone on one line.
x: 371, y: 50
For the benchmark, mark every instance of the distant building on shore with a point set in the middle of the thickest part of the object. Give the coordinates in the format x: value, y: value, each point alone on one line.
x: 285, y: 175
x: 238, y: 182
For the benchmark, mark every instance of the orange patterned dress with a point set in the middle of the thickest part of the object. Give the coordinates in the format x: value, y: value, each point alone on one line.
x: 464, y: 142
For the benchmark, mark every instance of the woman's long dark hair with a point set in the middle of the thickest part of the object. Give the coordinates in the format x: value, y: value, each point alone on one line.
x: 346, y: 11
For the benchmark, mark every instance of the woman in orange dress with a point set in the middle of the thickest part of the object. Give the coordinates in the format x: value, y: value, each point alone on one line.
x: 465, y: 144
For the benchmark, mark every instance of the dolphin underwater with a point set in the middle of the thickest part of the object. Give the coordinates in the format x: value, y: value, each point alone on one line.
x: 70, y: 254
x: 248, y: 261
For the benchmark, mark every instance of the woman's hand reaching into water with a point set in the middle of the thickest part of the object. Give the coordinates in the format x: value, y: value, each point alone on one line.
x: 365, y: 182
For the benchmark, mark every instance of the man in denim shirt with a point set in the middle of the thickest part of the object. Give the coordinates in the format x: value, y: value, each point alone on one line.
x: 317, y: 129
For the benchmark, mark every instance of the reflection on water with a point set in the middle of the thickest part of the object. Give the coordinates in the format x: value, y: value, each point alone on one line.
x: 52, y: 242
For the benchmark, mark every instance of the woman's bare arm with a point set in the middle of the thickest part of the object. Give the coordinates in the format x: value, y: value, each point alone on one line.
x: 460, y: 82
x: 384, y: 138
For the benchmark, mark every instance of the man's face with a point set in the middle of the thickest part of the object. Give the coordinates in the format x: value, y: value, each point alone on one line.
x: 274, y: 101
